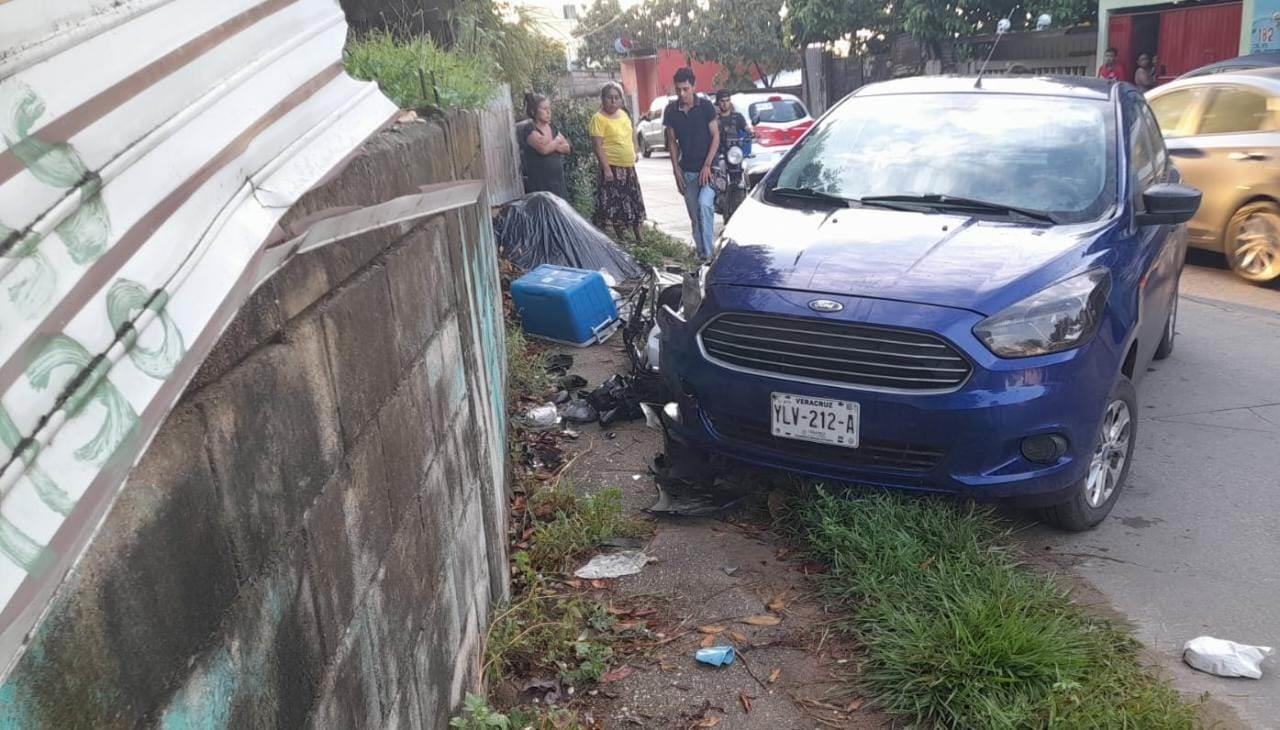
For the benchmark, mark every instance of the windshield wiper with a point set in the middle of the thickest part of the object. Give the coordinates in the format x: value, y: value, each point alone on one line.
x: 811, y: 194
x: 936, y: 200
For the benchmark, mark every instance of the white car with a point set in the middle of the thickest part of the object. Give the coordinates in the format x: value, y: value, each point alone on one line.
x: 650, y: 134
x: 778, y: 121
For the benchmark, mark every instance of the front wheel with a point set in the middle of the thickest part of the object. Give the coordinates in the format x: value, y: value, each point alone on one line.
x: 733, y: 197
x: 1253, y: 242
x: 1093, y: 497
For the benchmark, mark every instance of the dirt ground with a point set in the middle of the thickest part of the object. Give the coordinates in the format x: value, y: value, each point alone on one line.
x: 710, y: 574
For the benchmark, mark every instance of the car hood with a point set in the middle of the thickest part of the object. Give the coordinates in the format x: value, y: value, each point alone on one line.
x: 929, y: 258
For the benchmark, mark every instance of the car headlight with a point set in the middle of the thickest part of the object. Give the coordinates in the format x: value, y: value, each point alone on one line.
x: 1059, y: 318
x: 734, y: 155
x: 692, y: 293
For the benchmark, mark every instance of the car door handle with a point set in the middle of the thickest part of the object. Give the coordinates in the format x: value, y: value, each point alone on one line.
x: 1254, y: 156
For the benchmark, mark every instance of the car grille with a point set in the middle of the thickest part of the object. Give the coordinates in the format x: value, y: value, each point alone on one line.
x: 836, y: 352
x: 869, y: 454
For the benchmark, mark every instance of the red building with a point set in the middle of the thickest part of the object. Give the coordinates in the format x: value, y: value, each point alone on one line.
x: 648, y: 77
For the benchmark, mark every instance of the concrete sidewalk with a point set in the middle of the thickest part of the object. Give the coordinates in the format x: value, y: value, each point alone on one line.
x: 663, y: 201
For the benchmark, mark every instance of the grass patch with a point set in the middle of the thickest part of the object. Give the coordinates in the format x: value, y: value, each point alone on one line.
x: 550, y: 629
x: 577, y: 526
x: 417, y: 73
x: 957, y: 634
x: 526, y: 367
x: 657, y: 248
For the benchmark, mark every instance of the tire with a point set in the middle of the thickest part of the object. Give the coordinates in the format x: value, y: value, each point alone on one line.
x: 645, y: 149
x: 1165, y: 348
x: 732, y: 199
x: 1090, y: 501
x: 1252, y: 242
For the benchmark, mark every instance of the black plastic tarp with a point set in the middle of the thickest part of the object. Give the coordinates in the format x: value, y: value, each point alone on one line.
x: 541, y: 228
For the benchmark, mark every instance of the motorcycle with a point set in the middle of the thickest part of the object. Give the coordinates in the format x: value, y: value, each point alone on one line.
x: 727, y: 175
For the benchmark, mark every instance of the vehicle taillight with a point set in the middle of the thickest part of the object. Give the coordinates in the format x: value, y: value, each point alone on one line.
x: 768, y: 136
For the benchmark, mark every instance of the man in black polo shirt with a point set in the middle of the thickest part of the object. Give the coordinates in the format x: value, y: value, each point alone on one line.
x: 693, y: 134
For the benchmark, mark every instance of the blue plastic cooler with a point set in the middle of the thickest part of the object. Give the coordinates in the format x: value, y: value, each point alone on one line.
x: 572, y: 306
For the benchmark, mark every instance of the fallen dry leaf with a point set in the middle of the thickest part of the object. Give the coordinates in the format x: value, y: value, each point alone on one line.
x: 854, y: 706
x: 745, y: 700
x: 773, y: 676
x: 738, y: 637
x: 707, y: 722
x: 645, y: 613
x: 710, y: 629
x: 762, y: 620
x: 617, y: 675
x: 614, y: 611
x: 777, y: 604
x: 598, y: 583
x: 573, y: 583
x: 708, y: 640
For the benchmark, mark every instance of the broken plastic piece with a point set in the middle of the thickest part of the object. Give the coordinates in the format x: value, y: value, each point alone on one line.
x: 688, y: 502
x: 651, y: 418
x: 543, y: 417
x: 615, y: 565
x: 580, y: 412
x: 716, y: 656
x: 1225, y: 658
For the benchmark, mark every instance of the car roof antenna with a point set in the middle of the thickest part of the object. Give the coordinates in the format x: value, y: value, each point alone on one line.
x: 1001, y: 28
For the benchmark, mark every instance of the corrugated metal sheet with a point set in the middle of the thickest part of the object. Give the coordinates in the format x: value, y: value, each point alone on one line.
x: 148, y: 150
x: 1196, y: 36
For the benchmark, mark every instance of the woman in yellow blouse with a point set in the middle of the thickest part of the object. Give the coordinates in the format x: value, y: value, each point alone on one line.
x: 618, y: 199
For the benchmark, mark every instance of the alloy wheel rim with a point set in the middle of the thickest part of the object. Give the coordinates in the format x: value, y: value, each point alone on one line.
x: 1110, y: 455
x: 1256, y: 249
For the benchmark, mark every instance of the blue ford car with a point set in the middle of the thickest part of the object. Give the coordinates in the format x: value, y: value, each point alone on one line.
x: 947, y: 285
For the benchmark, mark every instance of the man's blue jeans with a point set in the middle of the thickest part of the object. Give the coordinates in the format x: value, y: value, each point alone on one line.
x: 701, y: 202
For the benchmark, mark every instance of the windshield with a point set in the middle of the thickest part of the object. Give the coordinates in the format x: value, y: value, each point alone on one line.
x: 776, y: 112
x: 1037, y: 153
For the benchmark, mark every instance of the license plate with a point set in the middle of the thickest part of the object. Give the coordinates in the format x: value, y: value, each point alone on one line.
x: 819, y: 420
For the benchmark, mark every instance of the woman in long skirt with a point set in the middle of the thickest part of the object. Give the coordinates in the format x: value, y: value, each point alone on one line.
x: 618, y: 199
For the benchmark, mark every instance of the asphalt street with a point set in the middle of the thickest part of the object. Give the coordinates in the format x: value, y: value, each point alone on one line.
x: 1192, y: 545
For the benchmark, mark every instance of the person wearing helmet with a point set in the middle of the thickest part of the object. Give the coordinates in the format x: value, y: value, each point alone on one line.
x: 732, y: 124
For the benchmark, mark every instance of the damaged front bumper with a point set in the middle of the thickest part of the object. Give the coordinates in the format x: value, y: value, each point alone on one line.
x: 965, y: 442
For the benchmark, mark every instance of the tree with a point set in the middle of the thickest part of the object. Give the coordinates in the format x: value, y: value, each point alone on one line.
x: 597, y: 29
x: 652, y: 24
x: 741, y: 35
x: 931, y: 22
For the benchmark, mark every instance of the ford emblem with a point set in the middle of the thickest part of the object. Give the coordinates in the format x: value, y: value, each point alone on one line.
x: 825, y: 305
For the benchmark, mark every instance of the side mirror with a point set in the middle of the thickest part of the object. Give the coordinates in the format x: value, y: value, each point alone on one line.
x: 1168, y: 204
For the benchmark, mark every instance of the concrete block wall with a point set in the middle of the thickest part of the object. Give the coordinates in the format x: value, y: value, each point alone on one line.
x: 316, y: 535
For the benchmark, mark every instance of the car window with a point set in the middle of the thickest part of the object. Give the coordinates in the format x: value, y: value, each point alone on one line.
x: 1172, y: 109
x: 776, y: 112
x: 1142, y: 155
x: 1050, y: 154
x: 1159, y: 154
x: 1235, y: 110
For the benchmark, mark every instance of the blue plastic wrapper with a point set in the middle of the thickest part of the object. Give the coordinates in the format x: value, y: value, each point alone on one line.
x: 716, y: 656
